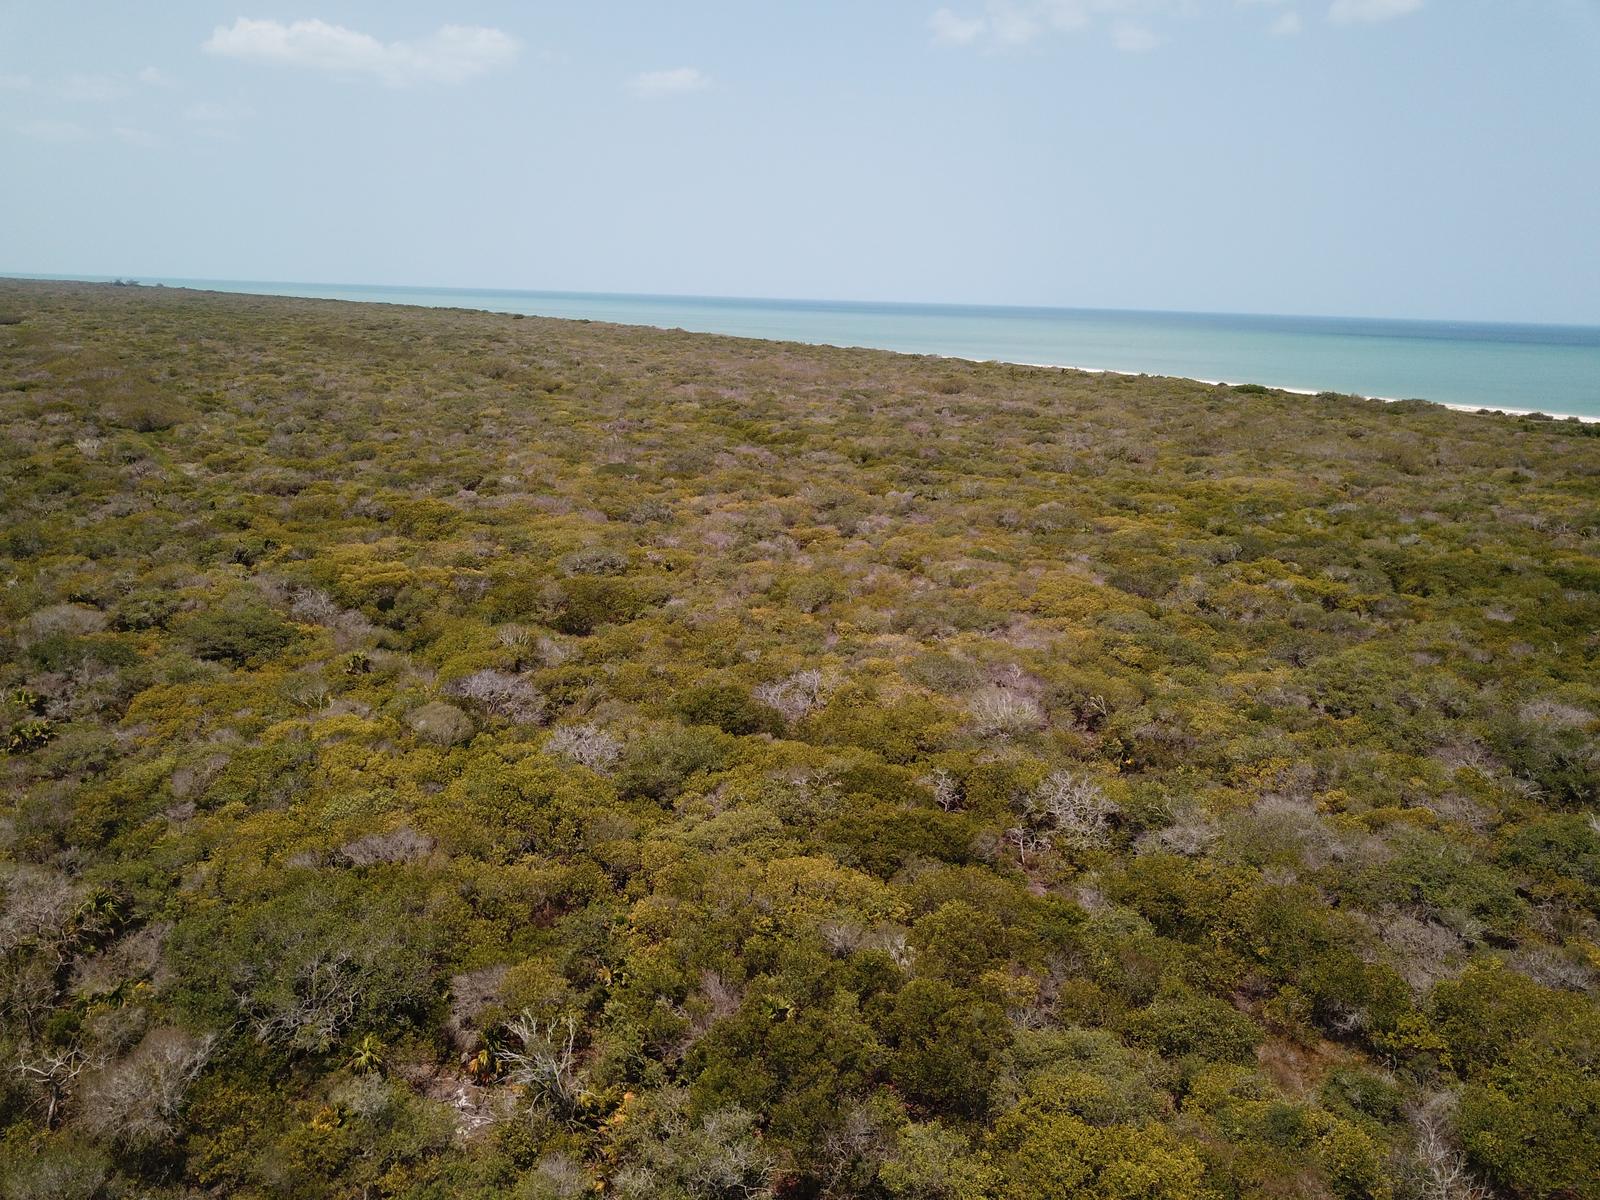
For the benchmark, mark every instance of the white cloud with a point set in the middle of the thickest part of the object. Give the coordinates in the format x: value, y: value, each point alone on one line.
x: 952, y: 30
x: 14, y: 83
x: 1013, y: 24
x: 1131, y: 25
x: 156, y: 77
x: 451, y: 54
x: 92, y: 89
x: 675, y: 82
x: 1133, y: 39
x: 52, y: 131
x: 1350, y: 12
x: 219, y: 122
x: 1077, y: 14
x: 1287, y: 23
x: 209, y: 112
x: 142, y: 138
x: 1017, y: 22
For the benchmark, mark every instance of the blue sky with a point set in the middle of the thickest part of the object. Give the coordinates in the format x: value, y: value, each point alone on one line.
x: 1427, y: 158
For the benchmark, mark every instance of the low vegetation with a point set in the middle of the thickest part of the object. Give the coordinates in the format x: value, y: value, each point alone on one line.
x: 450, y: 755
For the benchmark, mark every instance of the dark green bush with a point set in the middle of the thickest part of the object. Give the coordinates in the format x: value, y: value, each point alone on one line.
x: 238, y: 630
x: 1186, y: 1024
x: 728, y: 707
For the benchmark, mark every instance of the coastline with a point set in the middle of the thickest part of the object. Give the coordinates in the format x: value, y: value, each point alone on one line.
x: 193, y: 287
x: 1476, y: 409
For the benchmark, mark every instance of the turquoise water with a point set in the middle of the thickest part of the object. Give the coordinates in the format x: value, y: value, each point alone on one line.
x: 1544, y: 368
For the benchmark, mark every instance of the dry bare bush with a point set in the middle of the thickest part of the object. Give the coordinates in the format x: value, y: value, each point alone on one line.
x: 1283, y: 820
x: 1003, y: 713
x: 556, y: 1177
x: 443, y: 724
x: 51, y: 1073
x: 38, y: 906
x: 400, y: 845
x: 1442, y: 1171
x: 587, y: 745
x: 1190, y: 834
x: 545, y: 1059
x: 722, y: 999
x: 1029, y: 842
x: 845, y: 938
x: 310, y: 692
x: 72, y: 619
x: 314, y: 607
x: 1554, y: 969
x: 1555, y: 714
x: 193, y: 778
x: 472, y: 993
x: 595, y: 560
x: 1071, y: 808
x: 516, y: 638
x: 501, y: 694
x: 1424, y: 951
x: 719, y: 1157
x: 109, y: 1032
x: 136, y: 956
x: 946, y: 788
x: 136, y: 1100
x: 794, y: 696
x: 320, y: 998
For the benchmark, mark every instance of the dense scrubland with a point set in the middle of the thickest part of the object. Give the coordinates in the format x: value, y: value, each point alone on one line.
x: 456, y: 755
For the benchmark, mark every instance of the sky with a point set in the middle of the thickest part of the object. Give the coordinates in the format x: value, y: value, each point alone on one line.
x: 1405, y: 158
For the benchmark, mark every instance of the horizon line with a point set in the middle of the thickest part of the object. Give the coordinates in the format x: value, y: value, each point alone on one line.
x: 1482, y: 322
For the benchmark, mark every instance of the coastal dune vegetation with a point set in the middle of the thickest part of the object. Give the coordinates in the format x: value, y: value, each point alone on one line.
x: 452, y: 754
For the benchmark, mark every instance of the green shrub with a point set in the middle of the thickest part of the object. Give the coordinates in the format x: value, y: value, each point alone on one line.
x: 1060, y: 1155
x: 946, y: 1043
x: 1565, y: 845
x: 240, y: 630
x: 1186, y: 1024
x: 319, y: 958
x: 1529, y: 1124
x: 728, y: 707
x: 587, y: 602
x: 658, y: 763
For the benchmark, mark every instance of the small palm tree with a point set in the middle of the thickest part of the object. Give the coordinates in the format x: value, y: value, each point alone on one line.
x: 367, y: 1057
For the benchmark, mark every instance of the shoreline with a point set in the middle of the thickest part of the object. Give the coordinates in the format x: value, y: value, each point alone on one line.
x: 1475, y: 409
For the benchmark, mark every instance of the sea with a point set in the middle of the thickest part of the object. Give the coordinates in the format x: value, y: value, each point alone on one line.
x: 1553, y: 369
